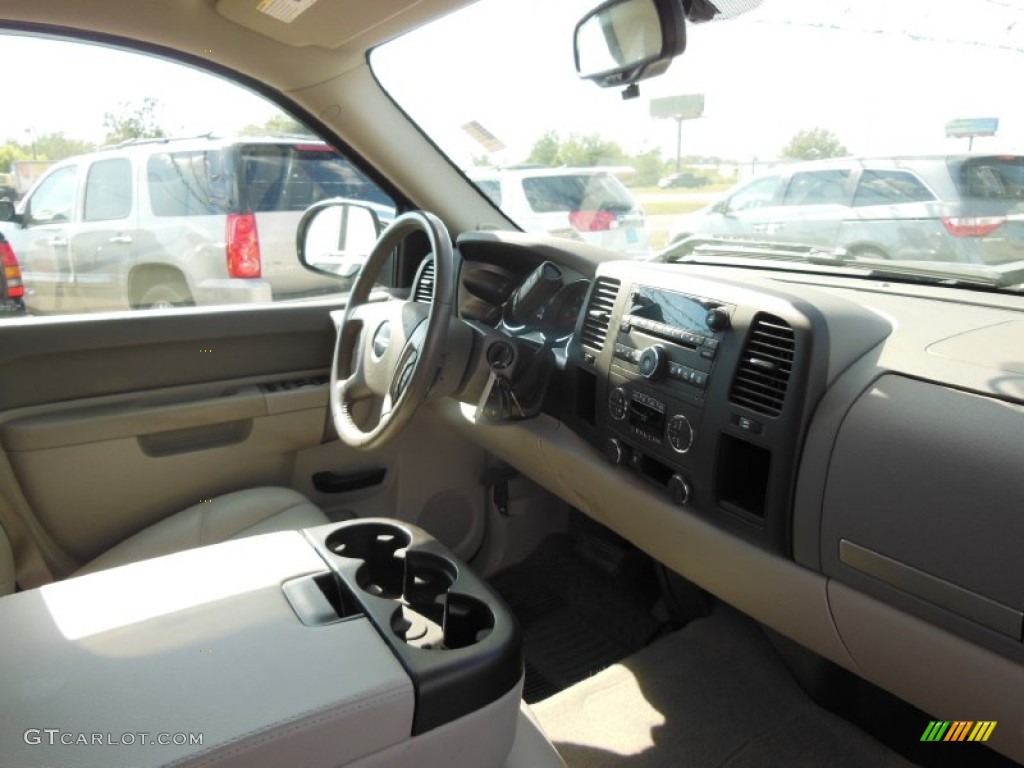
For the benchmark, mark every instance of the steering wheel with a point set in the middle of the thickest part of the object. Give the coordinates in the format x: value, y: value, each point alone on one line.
x: 390, y: 351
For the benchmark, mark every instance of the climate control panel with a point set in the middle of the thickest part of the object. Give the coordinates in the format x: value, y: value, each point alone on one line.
x: 646, y: 419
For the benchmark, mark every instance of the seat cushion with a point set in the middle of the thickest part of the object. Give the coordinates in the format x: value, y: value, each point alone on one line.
x: 231, y: 516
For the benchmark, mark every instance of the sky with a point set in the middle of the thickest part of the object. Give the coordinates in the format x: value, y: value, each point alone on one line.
x: 884, y: 75
x: 59, y: 86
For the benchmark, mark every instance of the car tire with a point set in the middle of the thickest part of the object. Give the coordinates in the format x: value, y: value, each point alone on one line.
x: 165, y: 297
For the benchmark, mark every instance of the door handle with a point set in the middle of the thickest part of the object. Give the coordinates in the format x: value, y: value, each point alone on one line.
x: 58, y: 242
x: 121, y: 239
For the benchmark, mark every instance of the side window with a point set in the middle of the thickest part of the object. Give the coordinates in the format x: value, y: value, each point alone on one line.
x: 108, y: 190
x: 890, y: 188
x: 817, y: 188
x: 757, y: 194
x: 54, y: 199
x: 189, y: 183
x: 207, y: 178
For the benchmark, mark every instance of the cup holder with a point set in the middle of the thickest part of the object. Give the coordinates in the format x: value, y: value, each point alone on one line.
x: 381, y: 547
x: 451, y: 632
x: 433, y: 617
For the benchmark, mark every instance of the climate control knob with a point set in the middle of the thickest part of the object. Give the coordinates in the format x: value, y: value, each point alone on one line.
x: 653, y: 362
x: 618, y: 403
x: 680, y: 489
x: 680, y: 433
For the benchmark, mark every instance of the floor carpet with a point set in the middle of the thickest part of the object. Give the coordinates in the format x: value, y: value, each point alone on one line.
x: 581, y: 609
x: 712, y: 695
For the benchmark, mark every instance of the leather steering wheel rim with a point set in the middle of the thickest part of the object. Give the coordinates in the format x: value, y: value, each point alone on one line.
x: 368, y: 333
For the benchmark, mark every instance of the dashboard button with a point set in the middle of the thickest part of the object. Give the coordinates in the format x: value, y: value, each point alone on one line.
x: 749, y: 425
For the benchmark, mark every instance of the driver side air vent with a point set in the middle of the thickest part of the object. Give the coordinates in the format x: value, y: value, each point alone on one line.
x: 599, y: 312
x: 765, y: 366
x: 424, y: 290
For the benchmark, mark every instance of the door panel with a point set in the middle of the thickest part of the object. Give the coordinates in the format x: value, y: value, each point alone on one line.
x: 113, y: 422
x: 91, y: 495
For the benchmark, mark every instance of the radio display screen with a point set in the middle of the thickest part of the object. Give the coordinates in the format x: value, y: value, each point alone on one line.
x: 648, y: 419
x: 675, y: 309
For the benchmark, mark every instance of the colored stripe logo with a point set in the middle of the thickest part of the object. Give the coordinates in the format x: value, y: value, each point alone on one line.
x: 958, y: 730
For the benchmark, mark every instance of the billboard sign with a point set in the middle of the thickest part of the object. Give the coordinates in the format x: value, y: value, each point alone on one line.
x: 972, y: 126
x: 679, y: 107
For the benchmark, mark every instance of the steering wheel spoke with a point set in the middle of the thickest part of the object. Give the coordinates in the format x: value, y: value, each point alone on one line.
x: 390, y: 350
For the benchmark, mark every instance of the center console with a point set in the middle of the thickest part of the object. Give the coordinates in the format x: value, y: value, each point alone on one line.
x: 698, y: 387
x: 361, y: 643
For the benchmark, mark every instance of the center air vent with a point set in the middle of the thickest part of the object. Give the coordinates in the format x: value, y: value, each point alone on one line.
x: 599, y: 312
x: 765, y: 366
x: 424, y: 291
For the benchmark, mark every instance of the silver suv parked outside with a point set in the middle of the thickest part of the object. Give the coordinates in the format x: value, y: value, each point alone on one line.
x: 172, y: 222
x: 588, y: 204
x: 961, y: 208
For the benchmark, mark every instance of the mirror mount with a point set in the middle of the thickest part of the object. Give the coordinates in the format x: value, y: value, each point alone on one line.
x: 622, y: 42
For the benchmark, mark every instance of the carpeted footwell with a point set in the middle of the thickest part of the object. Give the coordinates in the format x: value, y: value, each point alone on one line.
x: 577, y: 617
x: 714, y: 694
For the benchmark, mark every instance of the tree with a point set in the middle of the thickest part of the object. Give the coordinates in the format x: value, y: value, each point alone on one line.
x: 278, y: 125
x: 545, y: 149
x: 650, y: 166
x: 575, y: 150
x: 8, y: 153
x: 814, y: 144
x: 133, y: 122
x: 57, y: 146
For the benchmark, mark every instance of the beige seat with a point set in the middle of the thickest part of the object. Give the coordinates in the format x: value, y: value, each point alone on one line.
x: 231, y: 516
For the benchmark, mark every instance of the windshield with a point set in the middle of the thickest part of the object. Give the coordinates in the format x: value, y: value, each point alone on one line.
x: 868, y: 130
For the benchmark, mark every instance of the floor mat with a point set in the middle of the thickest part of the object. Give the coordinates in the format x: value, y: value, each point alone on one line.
x: 577, y: 617
x: 713, y: 695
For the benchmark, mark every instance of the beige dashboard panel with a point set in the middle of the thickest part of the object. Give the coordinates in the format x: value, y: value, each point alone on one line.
x: 946, y: 676
x: 775, y: 591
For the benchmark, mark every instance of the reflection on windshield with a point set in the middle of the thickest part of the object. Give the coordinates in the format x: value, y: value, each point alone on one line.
x: 879, y: 130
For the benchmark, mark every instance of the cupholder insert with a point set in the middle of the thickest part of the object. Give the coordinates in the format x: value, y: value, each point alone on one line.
x: 381, y: 547
x: 428, y: 577
x: 467, y: 621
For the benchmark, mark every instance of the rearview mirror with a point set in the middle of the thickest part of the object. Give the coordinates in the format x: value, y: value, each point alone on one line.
x: 7, y: 211
x: 335, y: 237
x: 624, y: 41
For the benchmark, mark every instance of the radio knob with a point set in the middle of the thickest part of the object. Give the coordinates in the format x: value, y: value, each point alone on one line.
x: 717, y: 319
x: 653, y: 362
x: 679, y: 488
x: 616, y: 451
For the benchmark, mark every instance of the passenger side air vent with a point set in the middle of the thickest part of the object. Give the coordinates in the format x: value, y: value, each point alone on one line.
x: 599, y: 312
x: 765, y: 366
x: 424, y: 290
